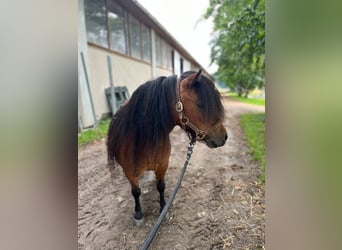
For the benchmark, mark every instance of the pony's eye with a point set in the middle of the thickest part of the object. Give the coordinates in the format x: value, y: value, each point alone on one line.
x: 200, y: 105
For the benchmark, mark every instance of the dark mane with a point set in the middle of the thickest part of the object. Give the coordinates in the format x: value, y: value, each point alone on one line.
x: 209, y: 98
x: 145, y: 119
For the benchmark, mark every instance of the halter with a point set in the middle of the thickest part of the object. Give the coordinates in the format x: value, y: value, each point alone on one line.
x: 185, y: 121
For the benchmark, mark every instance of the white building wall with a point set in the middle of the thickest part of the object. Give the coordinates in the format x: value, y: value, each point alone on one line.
x: 126, y: 72
x: 84, y: 103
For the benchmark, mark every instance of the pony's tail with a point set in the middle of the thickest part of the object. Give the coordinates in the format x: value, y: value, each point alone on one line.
x: 110, y: 150
x: 110, y: 159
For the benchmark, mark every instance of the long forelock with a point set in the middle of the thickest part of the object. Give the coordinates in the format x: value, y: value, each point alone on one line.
x: 210, y: 98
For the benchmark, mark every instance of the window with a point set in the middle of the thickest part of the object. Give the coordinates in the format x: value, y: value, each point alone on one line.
x: 163, y: 53
x: 146, y: 43
x: 95, y: 12
x: 166, y: 55
x: 116, y: 25
x: 169, y: 58
x: 158, y: 51
x: 134, y: 37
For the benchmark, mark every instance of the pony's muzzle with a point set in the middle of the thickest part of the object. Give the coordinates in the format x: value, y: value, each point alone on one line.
x: 216, y: 138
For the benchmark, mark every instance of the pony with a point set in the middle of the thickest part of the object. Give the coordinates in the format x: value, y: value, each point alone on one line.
x: 138, y: 134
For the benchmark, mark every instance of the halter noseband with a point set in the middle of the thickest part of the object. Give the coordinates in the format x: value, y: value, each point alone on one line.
x: 200, y: 134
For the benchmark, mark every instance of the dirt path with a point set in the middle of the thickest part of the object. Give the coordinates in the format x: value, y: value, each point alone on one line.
x: 220, y: 204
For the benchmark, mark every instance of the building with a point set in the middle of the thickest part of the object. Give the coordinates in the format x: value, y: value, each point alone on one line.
x: 140, y: 48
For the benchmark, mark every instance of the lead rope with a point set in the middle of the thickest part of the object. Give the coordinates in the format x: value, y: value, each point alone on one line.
x: 156, y: 226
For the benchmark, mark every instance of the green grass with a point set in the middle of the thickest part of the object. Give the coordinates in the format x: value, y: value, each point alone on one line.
x: 254, y: 127
x: 235, y: 96
x: 94, y: 134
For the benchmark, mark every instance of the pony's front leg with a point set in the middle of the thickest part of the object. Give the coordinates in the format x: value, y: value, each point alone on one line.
x: 161, y: 188
x: 138, y: 216
x: 134, y: 181
x: 160, y: 174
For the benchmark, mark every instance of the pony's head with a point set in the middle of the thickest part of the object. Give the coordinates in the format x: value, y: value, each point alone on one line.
x: 200, y: 109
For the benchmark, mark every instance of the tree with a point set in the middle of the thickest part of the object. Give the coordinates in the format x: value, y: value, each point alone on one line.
x: 238, y: 44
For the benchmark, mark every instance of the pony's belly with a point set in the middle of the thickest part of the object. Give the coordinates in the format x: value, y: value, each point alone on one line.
x: 151, y: 166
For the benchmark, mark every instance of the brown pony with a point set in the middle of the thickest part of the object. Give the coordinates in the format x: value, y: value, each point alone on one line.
x: 138, y: 135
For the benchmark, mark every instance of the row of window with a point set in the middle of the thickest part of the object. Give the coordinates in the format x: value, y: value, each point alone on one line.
x: 111, y: 26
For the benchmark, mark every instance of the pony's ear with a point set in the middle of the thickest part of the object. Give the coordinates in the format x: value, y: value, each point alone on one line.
x: 197, y: 78
x: 191, y: 80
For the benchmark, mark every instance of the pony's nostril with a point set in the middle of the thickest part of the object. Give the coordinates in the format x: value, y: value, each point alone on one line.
x: 226, y: 137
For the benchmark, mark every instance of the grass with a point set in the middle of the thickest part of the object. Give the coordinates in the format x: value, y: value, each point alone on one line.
x: 235, y: 96
x: 94, y: 134
x: 254, y: 127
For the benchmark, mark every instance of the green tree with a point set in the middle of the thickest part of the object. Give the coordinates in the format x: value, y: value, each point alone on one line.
x: 238, y: 43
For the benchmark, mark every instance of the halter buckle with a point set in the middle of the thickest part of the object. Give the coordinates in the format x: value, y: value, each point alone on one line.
x: 185, y: 120
x: 179, y: 107
x: 201, y: 134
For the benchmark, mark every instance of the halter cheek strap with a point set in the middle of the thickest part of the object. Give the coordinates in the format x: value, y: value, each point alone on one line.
x: 185, y: 122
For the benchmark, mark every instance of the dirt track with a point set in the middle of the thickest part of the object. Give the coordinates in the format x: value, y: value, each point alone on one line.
x: 220, y: 204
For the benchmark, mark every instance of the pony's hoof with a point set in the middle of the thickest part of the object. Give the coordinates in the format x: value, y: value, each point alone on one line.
x: 138, y: 223
x: 138, y: 218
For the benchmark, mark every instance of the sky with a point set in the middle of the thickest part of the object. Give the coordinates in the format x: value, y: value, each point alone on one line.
x: 181, y: 19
